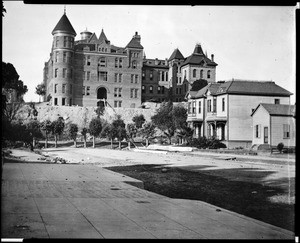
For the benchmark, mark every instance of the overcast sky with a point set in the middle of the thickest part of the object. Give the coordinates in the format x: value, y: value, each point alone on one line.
x: 248, y: 42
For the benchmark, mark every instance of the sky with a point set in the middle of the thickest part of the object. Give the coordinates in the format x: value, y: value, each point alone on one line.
x: 248, y: 42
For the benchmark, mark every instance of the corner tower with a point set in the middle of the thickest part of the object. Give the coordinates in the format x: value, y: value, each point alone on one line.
x: 62, y: 63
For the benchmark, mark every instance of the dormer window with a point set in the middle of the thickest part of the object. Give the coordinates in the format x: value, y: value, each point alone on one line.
x: 194, y: 73
x: 208, y: 74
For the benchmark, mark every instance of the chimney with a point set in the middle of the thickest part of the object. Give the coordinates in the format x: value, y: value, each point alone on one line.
x: 156, y: 61
x: 212, y: 57
x: 137, y: 37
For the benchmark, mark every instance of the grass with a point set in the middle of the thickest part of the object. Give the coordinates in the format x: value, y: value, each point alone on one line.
x: 247, y: 198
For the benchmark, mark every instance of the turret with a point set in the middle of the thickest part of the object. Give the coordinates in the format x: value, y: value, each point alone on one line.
x: 62, y: 58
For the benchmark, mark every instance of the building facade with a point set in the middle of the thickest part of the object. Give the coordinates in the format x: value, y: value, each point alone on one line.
x: 93, y: 72
x: 223, y: 109
x: 273, y: 124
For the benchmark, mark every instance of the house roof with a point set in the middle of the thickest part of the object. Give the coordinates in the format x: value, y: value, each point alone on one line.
x: 102, y: 36
x: 64, y: 25
x: 253, y: 87
x: 277, y: 109
x: 134, y: 44
x: 198, y: 59
x: 258, y: 88
x: 151, y: 63
x: 176, y: 55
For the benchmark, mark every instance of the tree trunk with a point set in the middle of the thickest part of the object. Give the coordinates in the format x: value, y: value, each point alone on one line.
x: 119, y: 144
x: 33, y: 142
x: 111, y: 143
x: 75, y: 144
x: 147, y: 142
x: 55, y: 137
x: 128, y: 144
x: 93, y: 141
x: 84, y: 142
x: 46, y: 142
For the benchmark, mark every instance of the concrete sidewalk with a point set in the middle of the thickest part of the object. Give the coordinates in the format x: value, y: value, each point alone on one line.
x: 87, y: 201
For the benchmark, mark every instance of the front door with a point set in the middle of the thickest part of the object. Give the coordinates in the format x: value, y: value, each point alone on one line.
x: 266, y: 138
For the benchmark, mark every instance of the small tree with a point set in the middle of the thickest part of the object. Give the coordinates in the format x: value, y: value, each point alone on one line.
x: 84, y: 131
x: 34, y: 130
x: 147, y: 131
x: 107, y: 133
x: 40, y: 90
x: 163, y: 119
x: 139, y: 120
x: 118, y: 129
x: 95, y: 128
x: 131, y: 130
x: 57, y: 128
x: 72, y: 132
x: 46, y: 126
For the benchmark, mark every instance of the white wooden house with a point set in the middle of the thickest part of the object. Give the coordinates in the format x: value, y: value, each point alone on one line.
x: 274, y: 124
x: 223, y: 109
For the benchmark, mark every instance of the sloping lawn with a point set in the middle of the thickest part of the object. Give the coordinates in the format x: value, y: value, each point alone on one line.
x: 247, y: 198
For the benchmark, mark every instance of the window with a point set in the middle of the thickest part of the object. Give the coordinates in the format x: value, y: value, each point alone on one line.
x: 65, y: 41
x: 158, y: 89
x: 208, y: 105
x: 116, y: 77
x: 208, y: 74
x: 63, y: 101
x: 215, y: 105
x: 131, y: 93
x: 87, y: 90
x: 136, y: 78
x: 166, y: 76
x: 286, y: 131
x: 102, y: 62
x: 194, y: 107
x: 103, y: 76
x: 132, y: 76
x: 223, y: 104
x: 118, y: 92
x: 71, y: 90
x: 143, y: 74
x: 184, y: 73
x: 88, y: 61
x: 189, y: 107
x: 120, y: 62
x: 257, y: 131
x: 199, y: 108
x: 179, y: 80
x: 162, y: 89
x: 120, y: 103
x: 179, y: 90
x: 201, y: 73
x: 56, y: 72
x: 56, y: 56
x: 120, y: 77
x: 64, y: 56
x: 70, y: 101
x: 64, y: 72
x: 63, y: 88
x: 133, y: 64
x: 143, y: 89
x: 116, y: 62
x: 151, y: 89
x: 135, y: 93
x: 162, y: 75
x: 176, y: 90
x: 194, y: 73
x: 88, y: 75
x: 70, y: 57
x: 83, y: 90
x: 55, y: 88
x: 71, y: 73
x: 117, y: 103
x: 277, y: 101
x: 151, y: 75
x: 55, y: 101
x: 56, y: 42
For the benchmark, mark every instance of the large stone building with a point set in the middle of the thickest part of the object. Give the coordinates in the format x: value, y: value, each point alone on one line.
x: 93, y: 72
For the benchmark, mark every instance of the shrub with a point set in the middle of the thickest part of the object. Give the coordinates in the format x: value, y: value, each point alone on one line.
x: 203, y: 142
x: 280, y: 147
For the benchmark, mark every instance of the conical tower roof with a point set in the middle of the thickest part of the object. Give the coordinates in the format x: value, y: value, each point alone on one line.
x: 198, y: 49
x: 64, y: 25
x: 102, y: 36
x: 176, y: 55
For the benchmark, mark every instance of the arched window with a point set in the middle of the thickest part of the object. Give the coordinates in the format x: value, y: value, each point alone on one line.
x: 102, y: 62
x: 194, y: 73
x: 208, y: 74
x: 184, y: 73
x: 201, y: 73
x: 133, y: 64
x: 151, y: 89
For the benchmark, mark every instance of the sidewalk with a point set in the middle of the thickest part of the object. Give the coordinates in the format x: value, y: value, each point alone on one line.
x: 87, y: 201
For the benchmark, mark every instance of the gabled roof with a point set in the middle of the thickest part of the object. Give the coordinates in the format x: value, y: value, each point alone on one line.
x: 64, y: 25
x: 134, y: 44
x: 277, y: 109
x: 93, y: 38
x: 176, y: 55
x: 253, y: 87
x: 197, y: 59
x: 102, y: 36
